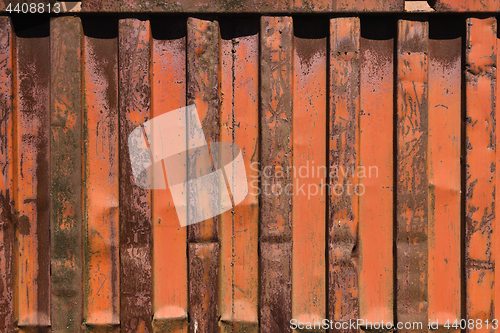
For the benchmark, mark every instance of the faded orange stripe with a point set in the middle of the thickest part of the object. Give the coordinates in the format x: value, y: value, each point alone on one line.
x: 480, y: 161
x: 376, y: 159
x: 444, y: 284
x: 101, y: 205
x: 309, y: 192
x: 412, y: 191
x: 239, y: 227
x: 170, y: 290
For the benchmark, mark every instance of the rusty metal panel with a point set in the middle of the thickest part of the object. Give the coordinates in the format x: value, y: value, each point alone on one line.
x: 396, y: 113
x: 244, y: 6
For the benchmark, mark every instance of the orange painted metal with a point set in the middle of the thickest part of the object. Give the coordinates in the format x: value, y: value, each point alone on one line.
x: 7, y: 179
x: 443, y: 161
x: 239, y: 228
x: 168, y: 92
x: 376, y: 295
x: 276, y: 156
x: 134, y: 66
x: 32, y: 135
x: 203, y: 80
x: 412, y: 193
x: 480, y: 167
x: 66, y: 174
x: 100, y: 176
x: 310, y: 190
x: 343, y: 178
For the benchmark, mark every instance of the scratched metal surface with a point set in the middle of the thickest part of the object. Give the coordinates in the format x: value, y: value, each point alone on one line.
x: 403, y: 108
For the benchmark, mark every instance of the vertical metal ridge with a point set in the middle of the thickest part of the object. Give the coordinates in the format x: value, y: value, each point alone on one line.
x: 376, y: 219
x: 9, y: 173
x: 32, y: 93
x: 203, y: 82
x: 309, y: 137
x: 66, y: 174
x: 275, y: 237
x: 239, y: 226
x: 480, y: 144
x: 100, y: 127
x: 343, y: 154
x: 168, y: 92
x: 444, y: 170
x: 412, y: 171
x: 135, y: 202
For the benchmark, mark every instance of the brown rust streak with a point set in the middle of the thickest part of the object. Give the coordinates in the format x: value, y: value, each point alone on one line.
x: 7, y: 217
x: 135, y: 202
x: 343, y: 303
x: 412, y: 214
x: 276, y: 159
x: 203, y: 67
x: 66, y: 182
x: 203, y: 286
x: 32, y: 198
x: 203, y: 90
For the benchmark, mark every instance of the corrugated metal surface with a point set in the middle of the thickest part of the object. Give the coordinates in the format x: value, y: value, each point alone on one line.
x: 391, y: 118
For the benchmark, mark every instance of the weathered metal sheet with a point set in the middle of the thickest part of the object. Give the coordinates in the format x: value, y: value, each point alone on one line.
x: 480, y: 167
x: 244, y: 6
x: 66, y: 171
x: 135, y: 203
x: 309, y: 153
x: 239, y: 228
x: 444, y: 175
x: 32, y: 200
x: 412, y: 189
x: 168, y: 89
x: 100, y: 176
x: 84, y: 248
x: 276, y: 155
x: 343, y: 208
x: 376, y: 288
x: 9, y: 172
